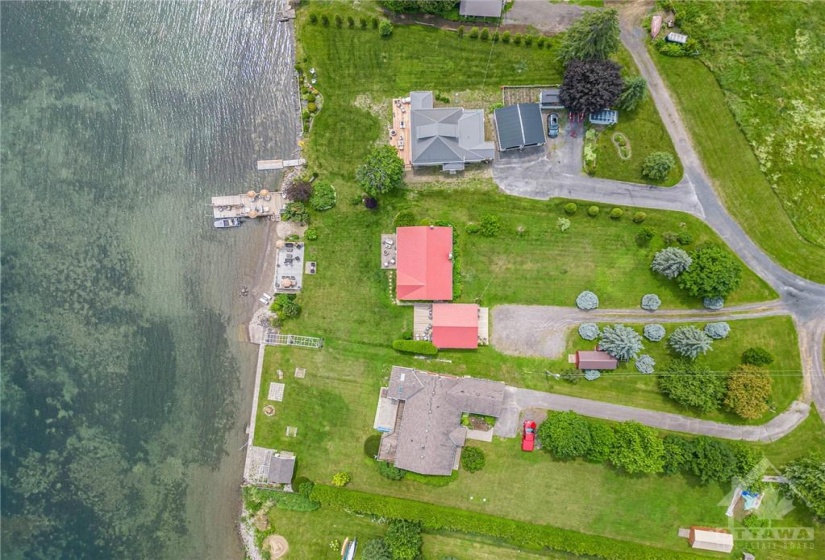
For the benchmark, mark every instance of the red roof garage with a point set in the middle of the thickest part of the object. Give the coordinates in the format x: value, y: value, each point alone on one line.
x: 455, y: 325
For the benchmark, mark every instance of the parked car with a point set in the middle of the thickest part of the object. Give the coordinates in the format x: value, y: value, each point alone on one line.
x: 552, y: 125
x: 528, y: 436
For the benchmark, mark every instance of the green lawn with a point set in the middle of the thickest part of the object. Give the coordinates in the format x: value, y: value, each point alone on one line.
x: 757, y: 88
x: 777, y: 334
x: 645, y: 132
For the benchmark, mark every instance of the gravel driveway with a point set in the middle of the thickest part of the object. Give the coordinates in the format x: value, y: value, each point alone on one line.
x: 541, y: 14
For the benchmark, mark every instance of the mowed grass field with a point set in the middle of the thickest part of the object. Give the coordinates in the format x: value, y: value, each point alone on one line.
x: 645, y: 132
x: 755, y: 117
x: 776, y: 334
x: 334, y: 408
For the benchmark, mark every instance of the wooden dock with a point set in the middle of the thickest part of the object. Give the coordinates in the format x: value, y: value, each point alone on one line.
x: 266, y: 164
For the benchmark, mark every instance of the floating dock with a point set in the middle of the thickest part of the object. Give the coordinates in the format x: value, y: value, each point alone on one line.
x: 266, y: 164
x: 249, y: 205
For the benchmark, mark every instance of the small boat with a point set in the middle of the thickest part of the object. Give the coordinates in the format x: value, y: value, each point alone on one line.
x: 227, y: 222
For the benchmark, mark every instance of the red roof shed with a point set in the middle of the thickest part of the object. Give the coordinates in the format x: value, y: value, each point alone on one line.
x: 595, y: 359
x: 455, y: 325
x: 425, y: 268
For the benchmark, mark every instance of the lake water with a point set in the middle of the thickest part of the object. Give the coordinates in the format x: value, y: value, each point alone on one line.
x: 126, y: 387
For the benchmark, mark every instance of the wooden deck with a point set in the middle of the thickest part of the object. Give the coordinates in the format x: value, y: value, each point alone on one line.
x: 266, y: 164
x: 245, y: 206
x: 401, y: 138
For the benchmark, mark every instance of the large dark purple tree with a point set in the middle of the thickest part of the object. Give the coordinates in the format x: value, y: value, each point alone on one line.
x: 591, y: 85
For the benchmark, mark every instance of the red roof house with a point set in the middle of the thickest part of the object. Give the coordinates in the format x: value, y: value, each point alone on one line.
x: 425, y: 266
x: 595, y: 359
x: 455, y: 325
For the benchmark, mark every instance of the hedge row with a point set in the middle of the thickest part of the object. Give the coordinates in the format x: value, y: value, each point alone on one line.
x: 517, y: 533
x: 424, y: 347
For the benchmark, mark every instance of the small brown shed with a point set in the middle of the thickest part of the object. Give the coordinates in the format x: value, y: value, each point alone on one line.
x: 595, y: 359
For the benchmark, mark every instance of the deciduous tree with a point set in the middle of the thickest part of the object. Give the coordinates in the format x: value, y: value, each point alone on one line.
x: 692, y: 385
x: 714, y: 272
x: 591, y: 86
x: 382, y: 172
x: 712, y: 460
x: 637, y: 449
x: 749, y: 390
x: 565, y: 434
x: 807, y: 476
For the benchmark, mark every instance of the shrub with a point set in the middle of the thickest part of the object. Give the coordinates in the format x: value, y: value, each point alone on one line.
x: 602, y: 440
x: 517, y: 39
x: 671, y: 262
x: 350, y: 22
x: 296, y: 212
x: 404, y: 218
x: 362, y: 22
x: 684, y: 238
x: 311, y: 234
x: 645, y: 236
x: 423, y: 347
x: 313, y: 18
x: 657, y: 165
x: 678, y: 454
x: 528, y: 40
x: 714, y: 272
x: 651, y: 302
x: 570, y: 208
x: 634, y: 92
x: 312, y: 107
x: 325, y: 20
x: 670, y: 237
x: 474, y: 33
x: 757, y: 356
x: 490, y: 225
x: 299, y: 191
x: 690, y: 342
x: 376, y: 549
x: 712, y: 460
x: 390, y: 471
x: 370, y: 202
x: 323, y: 197
x: 505, y: 37
x: 485, y: 34
x: 713, y: 303
x: 654, y: 332
x: 623, y: 343
x: 565, y: 434
x: 639, y: 217
x: 589, y: 331
x: 563, y: 224
x: 404, y: 539
x: 749, y: 390
x: 460, y: 31
x: 339, y: 21
x: 616, y: 213
x: 496, y: 36
x: 587, y: 300
x: 385, y: 29
x: 593, y: 211
x: 645, y: 363
x: 472, y: 459
x: 592, y: 374
x: 374, y: 22
x: 341, y: 479
x: 541, y: 41
x: 717, y: 330
x: 807, y: 475
x: 472, y: 229
x: 371, y: 445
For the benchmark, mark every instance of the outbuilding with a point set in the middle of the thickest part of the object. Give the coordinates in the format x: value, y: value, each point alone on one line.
x: 710, y: 539
x: 519, y: 126
x: 593, y: 359
x: 677, y: 38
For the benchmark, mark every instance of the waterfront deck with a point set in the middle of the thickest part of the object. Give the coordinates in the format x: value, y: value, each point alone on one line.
x: 249, y: 205
x: 267, y: 164
x: 289, y: 273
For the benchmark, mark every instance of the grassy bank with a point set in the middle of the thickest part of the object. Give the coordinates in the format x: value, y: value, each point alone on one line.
x: 761, y: 96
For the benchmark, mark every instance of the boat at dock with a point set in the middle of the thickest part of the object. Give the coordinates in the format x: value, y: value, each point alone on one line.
x: 227, y: 222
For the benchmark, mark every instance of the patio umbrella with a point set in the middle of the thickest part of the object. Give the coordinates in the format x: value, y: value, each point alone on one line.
x: 264, y: 192
x: 280, y: 244
x: 253, y: 214
x: 251, y: 194
x: 286, y: 282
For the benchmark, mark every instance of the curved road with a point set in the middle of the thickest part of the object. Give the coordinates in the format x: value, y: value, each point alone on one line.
x: 803, y: 299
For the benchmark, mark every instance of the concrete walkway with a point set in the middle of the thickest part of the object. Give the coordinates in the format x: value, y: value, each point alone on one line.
x: 803, y: 299
x: 516, y: 400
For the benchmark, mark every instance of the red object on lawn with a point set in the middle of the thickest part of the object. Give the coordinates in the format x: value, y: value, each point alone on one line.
x: 528, y: 436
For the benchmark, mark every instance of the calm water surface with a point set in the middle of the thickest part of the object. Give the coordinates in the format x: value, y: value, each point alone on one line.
x: 125, y: 390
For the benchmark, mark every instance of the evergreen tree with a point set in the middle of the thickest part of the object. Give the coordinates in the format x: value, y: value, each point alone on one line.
x: 595, y: 36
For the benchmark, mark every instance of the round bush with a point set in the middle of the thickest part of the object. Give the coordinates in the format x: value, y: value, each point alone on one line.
x: 570, y: 208
x: 313, y: 18
x: 651, y: 302
x: 657, y: 165
x: 684, y: 238
x: 350, y: 22
x: 757, y: 356
x: 311, y: 234
x: 461, y: 31
x: 474, y: 33
x: 339, y: 21
x: 616, y: 213
x: 528, y: 40
x: 713, y: 303
x: 323, y: 196
x: 472, y: 459
x: 506, y: 37
x: 592, y: 374
x: 312, y: 107
x: 654, y: 332
x: 593, y: 211
x: 645, y: 363
x: 485, y: 34
x: 371, y: 445
x: 541, y: 41
x: 517, y: 39
x: 385, y: 29
x: 717, y: 330
x: 403, y: 219
x: 589, y: 331
x: 587, y: 300
x: 496, y: 36
x: 639, y: 217
x: 324, y: 20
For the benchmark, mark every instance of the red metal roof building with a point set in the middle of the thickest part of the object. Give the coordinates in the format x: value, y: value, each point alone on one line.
x: 595, y: 359
x: 455, y: 325
x: 425, y: 266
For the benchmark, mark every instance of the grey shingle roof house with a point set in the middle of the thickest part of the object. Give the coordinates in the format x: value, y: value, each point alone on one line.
x: 281, y: 468
x: 446, y: 136
x: 519, y: 126
x: 480, y: 8
x: 427, y: 435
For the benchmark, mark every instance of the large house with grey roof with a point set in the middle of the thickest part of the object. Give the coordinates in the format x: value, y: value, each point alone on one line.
x: 447, y: 136
x: 419, y: 414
